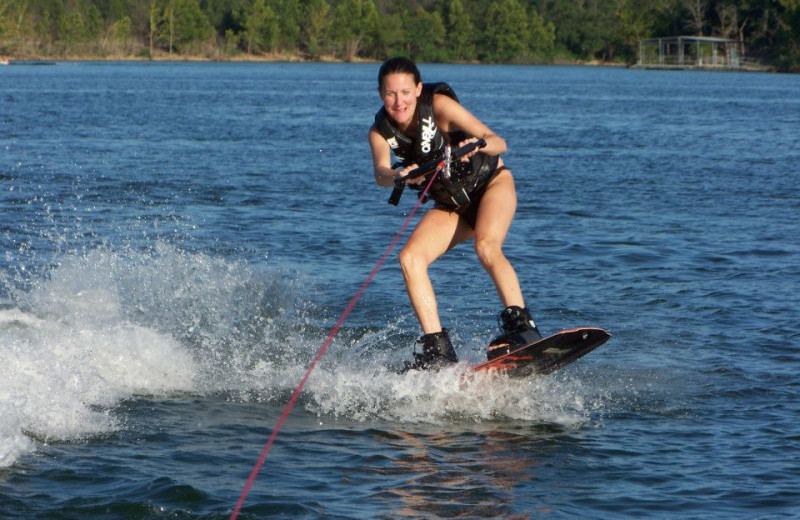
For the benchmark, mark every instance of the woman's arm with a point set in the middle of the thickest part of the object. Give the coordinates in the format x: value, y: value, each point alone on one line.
x: 382, y: 161
x: 451, y: 116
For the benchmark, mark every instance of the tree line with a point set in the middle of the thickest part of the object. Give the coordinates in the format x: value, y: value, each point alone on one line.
x: 505, y: 31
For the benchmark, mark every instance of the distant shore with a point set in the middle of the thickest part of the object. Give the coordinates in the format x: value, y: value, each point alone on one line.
x: 265, y: 58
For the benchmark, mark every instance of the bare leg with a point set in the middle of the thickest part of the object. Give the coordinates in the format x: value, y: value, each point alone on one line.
x: 437, y: 232
x: 441, y: 230
x: 495, y: 214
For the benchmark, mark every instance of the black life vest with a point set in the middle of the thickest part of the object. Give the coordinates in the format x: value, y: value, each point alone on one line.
x: 430, y: 141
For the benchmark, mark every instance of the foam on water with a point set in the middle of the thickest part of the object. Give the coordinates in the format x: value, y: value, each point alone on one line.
x: 452, y: 394
x: 61, y: 376
x: 71, y: 351
x: 68, y: 355
x: 104, y: 326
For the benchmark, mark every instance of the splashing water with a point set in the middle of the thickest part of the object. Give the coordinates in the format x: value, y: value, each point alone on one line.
x: 105, y: 326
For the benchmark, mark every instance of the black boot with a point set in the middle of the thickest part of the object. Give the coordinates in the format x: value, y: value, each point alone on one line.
x: 437, y: 351
x: 518, y: 330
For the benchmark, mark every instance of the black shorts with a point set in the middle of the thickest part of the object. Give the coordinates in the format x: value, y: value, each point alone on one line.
x: 469, y: 212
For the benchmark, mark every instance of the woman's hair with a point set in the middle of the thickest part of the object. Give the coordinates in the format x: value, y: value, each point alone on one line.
x: 398, y: 65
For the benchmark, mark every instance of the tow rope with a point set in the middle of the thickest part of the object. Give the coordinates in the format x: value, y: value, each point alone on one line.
x: 321, y: 352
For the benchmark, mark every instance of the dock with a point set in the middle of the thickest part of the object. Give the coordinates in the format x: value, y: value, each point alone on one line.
x: 696, y: 53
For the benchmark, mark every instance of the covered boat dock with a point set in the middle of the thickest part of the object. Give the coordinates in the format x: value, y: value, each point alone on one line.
x: 694, y: 52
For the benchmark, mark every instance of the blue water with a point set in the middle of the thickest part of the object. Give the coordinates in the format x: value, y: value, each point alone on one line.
x: 178, y: 239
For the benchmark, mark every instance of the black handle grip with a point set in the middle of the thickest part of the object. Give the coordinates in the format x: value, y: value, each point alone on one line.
x: 400, y: 183
x: 397, y: 192
x: 467, y: 148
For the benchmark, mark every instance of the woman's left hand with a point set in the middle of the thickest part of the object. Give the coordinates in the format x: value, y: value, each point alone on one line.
x: 466, y: 158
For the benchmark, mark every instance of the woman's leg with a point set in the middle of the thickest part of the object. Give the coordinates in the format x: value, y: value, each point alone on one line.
x: 436, y: 233
x: 495, y: 214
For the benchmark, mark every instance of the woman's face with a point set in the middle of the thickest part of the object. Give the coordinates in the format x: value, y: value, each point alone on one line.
x: 399, y: 94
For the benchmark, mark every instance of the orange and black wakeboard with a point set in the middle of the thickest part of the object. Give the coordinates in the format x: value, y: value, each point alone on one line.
x: 548, y: 354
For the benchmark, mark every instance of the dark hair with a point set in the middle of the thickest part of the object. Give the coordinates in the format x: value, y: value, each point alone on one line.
x: 399, y: 65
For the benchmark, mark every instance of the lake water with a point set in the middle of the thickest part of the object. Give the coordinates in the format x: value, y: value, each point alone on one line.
x: 178, y: 239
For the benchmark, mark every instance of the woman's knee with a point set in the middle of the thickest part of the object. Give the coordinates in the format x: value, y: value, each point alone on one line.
x: 488, y: 251
x: 411, y: 260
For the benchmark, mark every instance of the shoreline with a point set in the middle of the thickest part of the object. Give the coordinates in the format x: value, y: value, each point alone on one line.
x: 296, y: 58
x: 265, y: 58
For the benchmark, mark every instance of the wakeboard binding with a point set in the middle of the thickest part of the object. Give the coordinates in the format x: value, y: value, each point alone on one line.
x: 437, y: 352
x: 518, y: 329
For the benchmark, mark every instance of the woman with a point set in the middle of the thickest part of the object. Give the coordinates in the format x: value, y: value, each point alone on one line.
x: 415, y: 122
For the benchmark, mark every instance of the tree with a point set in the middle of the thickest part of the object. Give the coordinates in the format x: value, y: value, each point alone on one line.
x: 169, y: 21
x: 728, y: 15
x: 70, y: 29
x: 638, y: 20
x: 190, y: 22
x: 354, y: 24
x: 424, y: 34
x: 115, y: 9
x: 460, y: 31
x: 93, y: 23
x: 543, y: 33
x: 119, y: 34
x: 507, y: 32
x: 500, y: 30
x: 389, y: 36
x: 697, y: 15
x: 155, y: 19
x: 317, y: 26
x: 588, y: 28
x: 260, y: 27
x: 4, y: 17
x: 788, y: 49
x: 15, y: 23
x: 290, y: 16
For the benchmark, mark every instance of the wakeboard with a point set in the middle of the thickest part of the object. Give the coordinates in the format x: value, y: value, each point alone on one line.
x: 548, y: 354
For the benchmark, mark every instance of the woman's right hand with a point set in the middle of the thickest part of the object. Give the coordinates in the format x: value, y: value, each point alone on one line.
x: 408, y: 169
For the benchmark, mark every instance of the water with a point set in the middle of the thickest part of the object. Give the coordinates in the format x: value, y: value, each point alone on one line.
x: 178, y: 239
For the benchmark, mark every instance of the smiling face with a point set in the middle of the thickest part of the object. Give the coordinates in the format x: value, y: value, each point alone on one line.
x: 399, y: 93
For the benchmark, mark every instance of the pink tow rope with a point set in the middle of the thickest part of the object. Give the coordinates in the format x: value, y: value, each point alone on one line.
x: 321, y: 352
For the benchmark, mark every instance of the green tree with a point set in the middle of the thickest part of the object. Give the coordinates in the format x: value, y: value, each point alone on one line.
x: 499, y: 30
x: 47, y: 18
x: 232, y: 41
x: 190, y: 22
x: 290, y: 15
x: 389, y: 36
x: 587, y: 28
x: 260, y: 27
x: 460, y: 31
x: 5, y: 7
x: 93, y: 22
x: 543, y: 33
x: 639, y: 19
x: 424, y: 35
x: 317, y: 27
x: 697, y: 10
x: 354, y: 22
x: 728, y: 15
x: 155, y: 19
x: 15, y: 24
x: 70, y: 30
x: 507, y: 32
x: 788, y: 38
x: 115, y: 9
x: 121, y: 29
x: 119, y: 35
